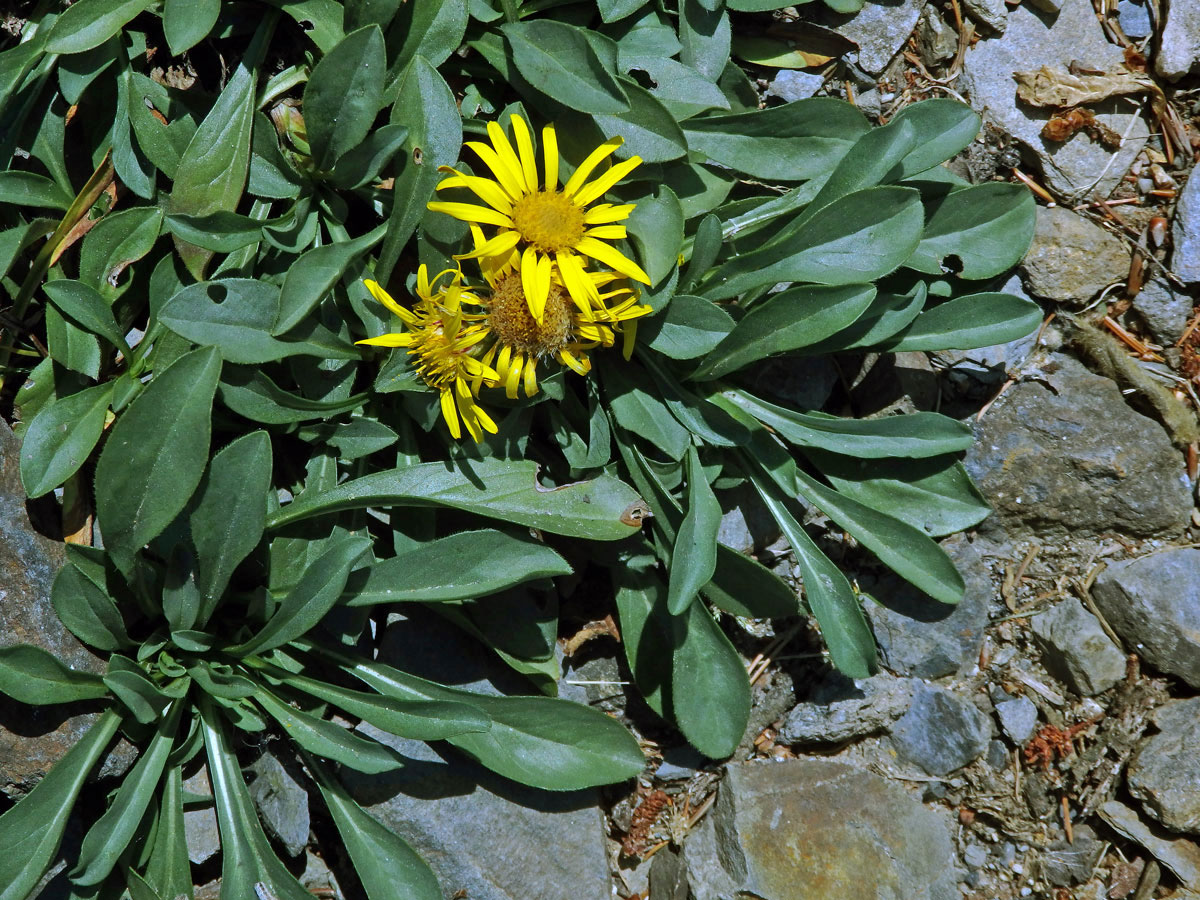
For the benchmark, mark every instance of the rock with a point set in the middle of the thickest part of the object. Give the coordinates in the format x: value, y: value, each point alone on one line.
x: 880, y: 30
x: 809, y: 830
x: 1179, y: 45
x: 1134, y: 18
x: 680, y: 762
x: 792, y: 84
x: 34, y: 738
x: 1018, y: 718
x: 1069, y: 863
x: 1164, y: 311
x: 485, y: 835
x: 975, y: 856
x: 668, y: 876
x: 1079, y: 166
x: 1165, y: 774
x: 282, y: 804
x: 1185, y: 233
x: 1070, y: 457
x: 937, y: 42
x: 1178, y: 854
x: 200, y: 823
x: 1076, y: 650
x: 1071, y: 259
x: 842, y: 708
x: 918, y: 636
x: 747, y: 526
x: 991, y: 14
x: 803, y: 383
x: 941, y: 732
x: 997, y: 755
x: 1151, y: 604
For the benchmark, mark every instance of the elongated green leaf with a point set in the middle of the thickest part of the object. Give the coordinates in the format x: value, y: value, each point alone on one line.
x: 331, y: 741
x: 363, y: 163
x: 705, y: 37
x: 648, y: 127
x: 710, y: 693
x: 887, y: 315
x: 575, y: 67
x: 745, y: 587
x: 130, y: 684
x: 231, y: 513
x: 694, y: 557
x: 656, y: 228
x: 462, y: 566
x: 944, y: 127
x: 688, y: 328
x: 435, y: 30
x: 868, y: 163
x: 250, y: 393
x: 648, y: 635
x: 83, y: 605
x: 314, y: 274
x: 344, y: 94
x: 787, y: 321
x: 965, y: 323
x: 388, y: 867
x: 29, y: 674
x: 187, y: 22
x: 85, y: 307
x: 638, y: 409
x: 117, y: 241
x: 89, y: 23
x: 168, y: 872
x: 320, y: 587
x: 979, y: 231
x: 61, y: 437
x: 156, y: 453
x: 491, y: 487
x: 223, y: 232
x: 30, y: 832
x: 30, y: 189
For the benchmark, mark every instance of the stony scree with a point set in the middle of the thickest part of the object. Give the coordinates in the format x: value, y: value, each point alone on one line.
x: 840, y: 708
x: 1180, y: 855
x: 791, y: 84
x: 1018, y: 718
x: 1072, y: 259
x: 1034, y: 39
x: 879, y: 29
x: 1179, y: 44
x: 200, y: 822
x: 809, y: 829
x: 1134, y: 18
x: 1185, y: 233
x: 941, y: 731
x: 1065, y: 455
x: 936, y: 40
x: 1163, y: 310
x: 1067, y: 863
x: 1076, y: 650
x: 282, y: 803
x: 1165, y: 774
x: 991, y: 14
x: 1151, y: 605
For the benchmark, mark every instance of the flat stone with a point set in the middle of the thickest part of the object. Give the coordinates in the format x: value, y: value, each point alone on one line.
x: 1163, y: 310
x: 747, y: 526
x: 936, y: 40
x: 1072, y: 259
x: 791, y: 84
x: 1067, y: 863
x: 991, y: 14
x: 1185, y: 233
x: 200, y: 827
x: 809, y: 829
x: 1178, y: 854
x: 1018, y: 718
x: 1076, y: 650
x: 282, y: 804
x: 1151, y: 604
x: 941, y: 731
x: 879, y: 29
x: 1179, y: 45
x: 1165, y: 774
x: 1069, y: 457
x: 1078, y: 166
x: 1134, y: 18
x: 841, y: 708
x: 920, y: 637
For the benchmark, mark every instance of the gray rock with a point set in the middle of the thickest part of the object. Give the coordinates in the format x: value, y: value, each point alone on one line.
x: 747, y: 526
x: 1178, y: 854
x: 920, y: 637
x: 991, y: 14
x: 679, y: 762
x: 1164, y: 311
x: 975, y: 856
x: 282, y: 804
x: 1165, y: 774
x: 1185, y: 233
x: 1179, y: 45
x: 937, y: 42
x: 792, y: 84
x: 1079, y: 166
x: 841, y: 708
x: 997, y: 755
x: 941, y: 732
x: 668, y: 876
x: 1047, y: 6
x: 1018, y: 718
x: 1134, y: 18
x: 880, y: 30
x: 200, y: 823
x: 809, y: 830
x: 1151, y: 604
x: 1070, y: 457
x: 1064, y: 864
x: 1076, y: 650
x: 1071, y: 259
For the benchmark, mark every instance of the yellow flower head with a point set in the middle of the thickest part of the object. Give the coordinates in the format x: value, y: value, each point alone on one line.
x: 569, y: 327
x: 554, y: 229
x: 441, y: 335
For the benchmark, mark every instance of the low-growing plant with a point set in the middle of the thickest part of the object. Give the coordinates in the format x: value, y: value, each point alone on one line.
x: 321, y: 361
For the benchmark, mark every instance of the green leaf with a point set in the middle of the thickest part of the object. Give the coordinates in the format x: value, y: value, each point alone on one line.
x: 710, y: 694
x: 435, y: 30
x: 656, y: 228
x: 648, y: 127
x: 230, y: 514
x: 745, y: 587
x: 118, y: 240
x: 330, y: 741
x: 168, y: 872
x: 156, y: 453
x: 387, y: 866
x: 321, y: 20
x: 787, y: 321
x: 250, y: 393
x: 614, y: 10
x: 344, y: 94
x: 689, y: 327
x: 694, y: 557
x: 31, y: 831
x: 187, y: 22
x: 859, y: 238
x: 30, y: 189
x: 562, y: 62
x: 222, y: 232
x: 314, y: 275
x: 965, y: 323
x: 30, y: 675
x: 86, y: 308
x: 462, y: 566
x: 681, y: 90
x: 61, y: 437
x: 84, y: 606
x: 793, y: 142
x: 637, y: 408
x: 358, y: 438
x: 129, y: 684
x: 319, y: 588
x: 705, y: 36
x: 875, y: 156
x: 363, y: 163
x: 944, y: 128
x: 980, y: 231
x: 491, y: 487
x: 648, y: 634
x: 89, y: 23
x: 887, y: 315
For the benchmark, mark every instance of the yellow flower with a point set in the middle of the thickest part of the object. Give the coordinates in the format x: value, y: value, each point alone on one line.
x: 442, y: 336
x: 569, y: 327
x: 554, y: 228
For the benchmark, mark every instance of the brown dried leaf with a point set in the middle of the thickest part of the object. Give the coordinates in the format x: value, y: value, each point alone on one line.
x: 1062, y: 89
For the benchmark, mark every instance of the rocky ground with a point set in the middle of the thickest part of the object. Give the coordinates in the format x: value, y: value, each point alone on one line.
x: 1039, y: 740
